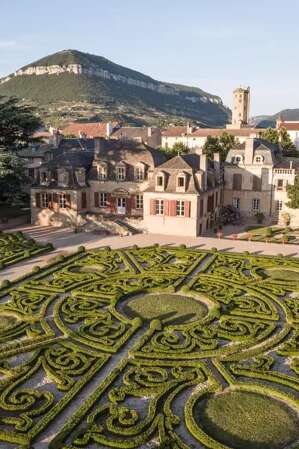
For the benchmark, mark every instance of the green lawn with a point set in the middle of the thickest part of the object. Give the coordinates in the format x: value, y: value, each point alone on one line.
x: 243, y: 420
x: 170, y: 308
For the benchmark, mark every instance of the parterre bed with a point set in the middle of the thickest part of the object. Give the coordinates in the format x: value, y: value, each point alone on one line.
x: 65, y: 325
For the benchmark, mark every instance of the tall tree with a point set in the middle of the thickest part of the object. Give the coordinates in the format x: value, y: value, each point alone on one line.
x: 17, y: 124
x: 220, y: 145
x: 279, y: 137
x: 12, y: 177
x: 293, y: 194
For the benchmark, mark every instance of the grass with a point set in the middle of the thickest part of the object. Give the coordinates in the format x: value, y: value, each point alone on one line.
x: 241, y: 420
x: 282, y: 274
x: 170, y: 308
x: 6, y: 321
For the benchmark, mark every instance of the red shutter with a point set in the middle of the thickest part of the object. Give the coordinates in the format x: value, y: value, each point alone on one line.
x: 152, y: 207
x: 133, y: 202
x: 83, y: 200
x: 172, y: 208
x: 187, y: 208
x: 96, y: 199
x: 68, y: 200
x: 166, y: 207
x: 37, y: 200
x: 111, y: 202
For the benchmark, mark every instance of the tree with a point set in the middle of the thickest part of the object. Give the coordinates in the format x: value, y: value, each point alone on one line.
x: 279, y: 137
x: 17, y: 124
x: 177, y: 149
x: 220, y: 145
x: 293, y: 194
x: 12, y: 177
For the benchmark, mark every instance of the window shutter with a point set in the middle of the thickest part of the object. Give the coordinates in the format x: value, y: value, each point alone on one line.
x: 83, y: 200
x: 37, y: 200
x: 96, y: 199
x: 50, y: 200
x: 172, y: 208
x: 133, y: 202
x: 68, y: 200
x: 187, y: 208
x: 201, y: 208
x: 166, y: 207
x: 111, y: 203
x: 152, y: 207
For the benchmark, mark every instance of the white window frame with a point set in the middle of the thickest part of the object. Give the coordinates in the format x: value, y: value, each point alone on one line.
x: 159, y: 207
x: 139, y: 174
x: 256, y: 204
x: 44, y: 200
x: 184, y: 180
x: 259, y: 159
x: 279, y: 204
x: 103, y: 200
x: 236, y: 202
x: 162, y: 183
x: 102, y: 173
x: 62, y: 200
x: 180, y: 208
x: 139, y: 201
x: 120, y: 173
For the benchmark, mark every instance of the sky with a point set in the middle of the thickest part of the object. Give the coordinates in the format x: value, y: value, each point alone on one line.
x: 216, y: 45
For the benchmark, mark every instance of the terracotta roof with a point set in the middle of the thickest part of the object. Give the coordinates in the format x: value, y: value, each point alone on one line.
x: 290, y: 126
x: 91, y: 130
x: 175, y: 131
x: 42, y: 134
x: 216, y: 132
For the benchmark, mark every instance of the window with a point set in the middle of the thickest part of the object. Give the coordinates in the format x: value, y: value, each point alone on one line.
x: 43, y: 177
x: 62, y: 177
x: 139, y: 201
x: 102, y: 173
x: 103, y: 199
x: 160, y: 181
x: 44, y: 200
x: 279, y: 184
x: 279, y: 205
x: 180, y: 208
x: 62, y: 200
x: 236, y: 203
x: 258, y: 159
x: 139, y: 174
x: 237, y: 159
x: 80, y: 175
x: 159, y: 207
x: 181, y: 181
x: 256, y: 204
x: 237, y: 181
x: 121, y: 173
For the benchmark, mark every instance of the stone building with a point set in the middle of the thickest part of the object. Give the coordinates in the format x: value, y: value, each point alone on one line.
x: 256, y: 176
x: 93, y: 175
x: 241, y: 105
x: 184, y: 196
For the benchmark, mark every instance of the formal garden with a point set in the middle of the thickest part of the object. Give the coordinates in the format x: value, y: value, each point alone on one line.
x: 151, y: 347
x: 16, y: 247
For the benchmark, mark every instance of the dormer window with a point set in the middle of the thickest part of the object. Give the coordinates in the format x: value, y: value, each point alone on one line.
x: 44, y: 178
x: 63, y: 177
x: 80, y: 175
x: 102, y: 172
x: 237, y: 159
x: 139, y: 173
x: 258, y: 159
x: 160, y: 181
x: 181, y: 181
x: 120, y: 173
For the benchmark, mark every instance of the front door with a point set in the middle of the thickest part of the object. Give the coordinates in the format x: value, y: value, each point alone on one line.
x: 121, y: 206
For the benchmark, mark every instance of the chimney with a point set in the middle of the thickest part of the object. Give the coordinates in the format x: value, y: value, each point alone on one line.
x: 149, y: 132
x: 109, y: 129
x: 203, y: 165
x: 291, y: 165
x: 249, y: 149
x: 56, y: 137
x: 189, y: 128
x: 99, y: 145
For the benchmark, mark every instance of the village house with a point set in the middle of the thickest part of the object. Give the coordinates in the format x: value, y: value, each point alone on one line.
x: 184, y: 196
x: 292, y: 128
x: 93, y: 175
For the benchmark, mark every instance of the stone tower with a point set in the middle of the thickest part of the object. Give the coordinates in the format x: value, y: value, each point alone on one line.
x: 240, y: 113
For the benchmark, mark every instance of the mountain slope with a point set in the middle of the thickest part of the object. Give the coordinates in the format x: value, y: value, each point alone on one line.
x: 70, y: 80
x: 270, y: 120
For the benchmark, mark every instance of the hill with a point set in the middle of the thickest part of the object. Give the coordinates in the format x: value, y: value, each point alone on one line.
x: 82, y: 85
x: 270, y: 120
